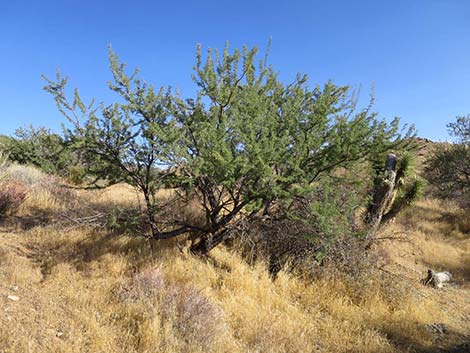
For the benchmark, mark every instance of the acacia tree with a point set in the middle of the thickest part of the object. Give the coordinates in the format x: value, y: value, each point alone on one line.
x: 246, y: 142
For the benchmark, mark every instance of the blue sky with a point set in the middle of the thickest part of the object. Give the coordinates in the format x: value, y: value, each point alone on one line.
x: 415, y: 52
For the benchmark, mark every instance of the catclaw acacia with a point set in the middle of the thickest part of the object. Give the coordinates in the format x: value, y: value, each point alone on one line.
x: 246, y: 142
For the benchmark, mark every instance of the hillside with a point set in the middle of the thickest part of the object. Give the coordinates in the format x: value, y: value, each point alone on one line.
x: 69, y: 288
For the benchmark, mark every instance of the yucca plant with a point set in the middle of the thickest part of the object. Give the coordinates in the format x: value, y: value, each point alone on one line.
x: 404, y: 188
x: 408, y: 187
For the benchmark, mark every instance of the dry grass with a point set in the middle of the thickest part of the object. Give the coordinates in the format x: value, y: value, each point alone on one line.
x: 88, y: 291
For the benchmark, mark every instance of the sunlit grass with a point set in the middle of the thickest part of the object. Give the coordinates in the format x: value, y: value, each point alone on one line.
x: 72, y: 287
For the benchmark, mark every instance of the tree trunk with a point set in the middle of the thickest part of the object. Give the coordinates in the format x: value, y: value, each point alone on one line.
x: 151, y: 215
x: 209, y: 242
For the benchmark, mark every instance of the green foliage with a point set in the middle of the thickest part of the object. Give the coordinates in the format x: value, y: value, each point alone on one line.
x: 448, y: 167
x: 246, y: 141
x: 76, y: 174
x: 4, y: 139
x: 408, y: 186
x: 407, y: 194
x: 39, y: 147
x: 332, y: 215
x: 460, y: 129
x: 123, y: 220
x: 407, y: 189
x: 333, y: 209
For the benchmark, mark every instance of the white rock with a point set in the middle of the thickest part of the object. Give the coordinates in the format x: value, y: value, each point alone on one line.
x: 441, y: 277
x: 13, y: 297
x: 437, y: 279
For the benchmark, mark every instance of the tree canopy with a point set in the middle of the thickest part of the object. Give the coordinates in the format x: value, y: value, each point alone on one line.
x: 245, y: 142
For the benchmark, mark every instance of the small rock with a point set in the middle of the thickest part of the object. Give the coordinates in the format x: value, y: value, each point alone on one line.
x: 14, y: 288
x: 13, y: 298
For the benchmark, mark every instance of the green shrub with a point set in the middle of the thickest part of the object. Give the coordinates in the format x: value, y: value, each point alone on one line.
x: 408, y: 187
x: 41, y: 148
x: 76, y: 174
x: 448, y: 167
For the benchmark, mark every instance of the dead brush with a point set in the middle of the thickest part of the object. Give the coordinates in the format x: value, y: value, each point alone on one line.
x: 301, y: 247
x: 147, y: 284
x: 194, y: 317
x: 195, y: 320
x: 12, y: 195
x: 280, y: 241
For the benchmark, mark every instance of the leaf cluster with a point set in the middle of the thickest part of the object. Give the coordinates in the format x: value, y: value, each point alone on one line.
x: 39, y: 147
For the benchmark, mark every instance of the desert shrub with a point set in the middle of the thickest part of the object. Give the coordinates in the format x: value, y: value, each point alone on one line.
x: 194, y: 320
x: 125, y: 220
x: 319, y: 228
x: 245, y: 143
x: 41, y: 148
x: 35, y: 178
x: 146, y: 284
x: 76, y: 174
x: 347, y: 255
x: 28, y: 175
x: 47, y: 193
x: 194, y: 317
x: 12, y: 195
x: 464, y: 223
x: 448, y: 167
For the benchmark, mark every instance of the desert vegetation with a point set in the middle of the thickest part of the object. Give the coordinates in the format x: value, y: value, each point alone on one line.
x: 83, y: 287
x: 247, y: 144
x: 258, y: 216
x: 448, y: 169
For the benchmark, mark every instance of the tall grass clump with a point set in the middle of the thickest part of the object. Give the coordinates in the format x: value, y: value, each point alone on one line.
x: 28, y: 175
x: 3, y: 165
x: 12, y: 192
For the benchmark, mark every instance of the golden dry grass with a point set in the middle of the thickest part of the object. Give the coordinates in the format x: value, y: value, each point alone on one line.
x: 73, y: 288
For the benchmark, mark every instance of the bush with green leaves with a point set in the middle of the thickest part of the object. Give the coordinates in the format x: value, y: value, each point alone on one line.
x: 448, y: 167
x: 41, y: 148
x: 244, y: 144
x: 303, y: 233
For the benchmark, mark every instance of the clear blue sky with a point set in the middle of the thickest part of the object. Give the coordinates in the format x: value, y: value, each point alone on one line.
x: 416, y: 52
